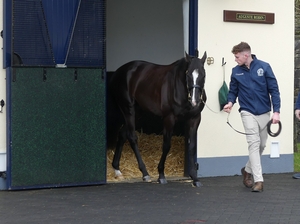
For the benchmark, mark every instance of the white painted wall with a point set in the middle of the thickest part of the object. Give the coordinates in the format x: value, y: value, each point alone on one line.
x: 271, y: 43
x: 2, y: 96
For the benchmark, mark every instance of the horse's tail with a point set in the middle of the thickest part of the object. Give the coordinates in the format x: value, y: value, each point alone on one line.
x: 114, y: 117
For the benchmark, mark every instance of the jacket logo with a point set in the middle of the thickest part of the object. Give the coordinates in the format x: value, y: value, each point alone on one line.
x: 239, y: 74
x: 260, y: 72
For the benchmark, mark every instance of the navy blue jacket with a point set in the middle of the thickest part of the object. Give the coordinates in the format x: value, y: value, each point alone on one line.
x: 298, y: 102
x: 255, y: 88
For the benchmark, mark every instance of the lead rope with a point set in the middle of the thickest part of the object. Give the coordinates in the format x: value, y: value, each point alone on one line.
x: 268, y: 125
x: 243, y: 133
x: 216, y: 112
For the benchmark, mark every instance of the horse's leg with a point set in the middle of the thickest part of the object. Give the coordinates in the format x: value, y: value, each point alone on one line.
x: 118, y: 152
x: 129, y: 115
x: 191, y: 133
x: 167, y: 135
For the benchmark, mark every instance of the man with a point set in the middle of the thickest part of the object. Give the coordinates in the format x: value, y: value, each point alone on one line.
x: 253, y: 82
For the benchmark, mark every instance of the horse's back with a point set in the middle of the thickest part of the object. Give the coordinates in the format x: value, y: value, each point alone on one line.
x: 142, y: 82
x: 122, y: 76
x: 139, y: 70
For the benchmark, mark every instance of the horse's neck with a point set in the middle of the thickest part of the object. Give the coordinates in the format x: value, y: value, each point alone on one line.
x: 180, y: 76
x: 180, y: 93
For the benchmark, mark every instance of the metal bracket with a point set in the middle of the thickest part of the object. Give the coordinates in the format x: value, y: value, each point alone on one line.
x: 44, y: 75
x: 75, y: 75
x: 2, y: 103
x: 210, y: 60
x: 3, y: 175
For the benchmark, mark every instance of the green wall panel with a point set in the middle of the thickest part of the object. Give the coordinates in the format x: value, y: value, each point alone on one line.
x: 57, y: 127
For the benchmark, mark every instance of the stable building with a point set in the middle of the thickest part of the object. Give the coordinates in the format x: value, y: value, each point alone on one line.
x: 56, y: 55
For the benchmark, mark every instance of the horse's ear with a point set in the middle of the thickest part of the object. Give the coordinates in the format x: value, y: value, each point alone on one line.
x: 204, y: 57
x: 196, y: 53
x: 188, y: 58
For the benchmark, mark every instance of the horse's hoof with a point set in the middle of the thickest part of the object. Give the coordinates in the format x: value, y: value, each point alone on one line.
x: 119, y: 177
x: 147, y: 179
x: 197, y: 184
x: 162, y: 181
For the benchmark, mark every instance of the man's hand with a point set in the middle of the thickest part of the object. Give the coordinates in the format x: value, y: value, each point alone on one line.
x: 275, y: 118
x: 227, y: 107
x: 297, y: 113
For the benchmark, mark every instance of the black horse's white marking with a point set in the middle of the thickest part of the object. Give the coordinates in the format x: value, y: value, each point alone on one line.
x: 173, y: 92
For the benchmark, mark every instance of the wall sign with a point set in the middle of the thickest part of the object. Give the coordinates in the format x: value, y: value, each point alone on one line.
x: 248, y: 17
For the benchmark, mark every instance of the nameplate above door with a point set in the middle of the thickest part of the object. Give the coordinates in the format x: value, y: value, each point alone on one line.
x: 248, y: 17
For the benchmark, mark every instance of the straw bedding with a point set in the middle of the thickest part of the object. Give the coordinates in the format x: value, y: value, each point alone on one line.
x: 150, y: 146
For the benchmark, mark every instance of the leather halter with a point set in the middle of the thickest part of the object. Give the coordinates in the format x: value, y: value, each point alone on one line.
x: 201, y: 95
x: 192, y: 87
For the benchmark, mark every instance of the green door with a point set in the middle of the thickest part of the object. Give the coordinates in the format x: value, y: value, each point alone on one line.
x: 56, y: 125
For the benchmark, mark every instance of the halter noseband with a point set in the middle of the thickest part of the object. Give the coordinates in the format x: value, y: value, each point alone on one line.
x: 194, y: 86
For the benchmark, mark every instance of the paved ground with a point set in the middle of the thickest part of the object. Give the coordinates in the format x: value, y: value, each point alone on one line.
x: 220, y: 200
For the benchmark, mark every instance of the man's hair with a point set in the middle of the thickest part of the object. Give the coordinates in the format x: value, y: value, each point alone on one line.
x: 243, y: 46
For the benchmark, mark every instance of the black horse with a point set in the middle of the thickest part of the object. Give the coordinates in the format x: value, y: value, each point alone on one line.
x: 173, y: 92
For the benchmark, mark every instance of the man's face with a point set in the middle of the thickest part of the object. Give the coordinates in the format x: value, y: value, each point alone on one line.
x: 241, y: 58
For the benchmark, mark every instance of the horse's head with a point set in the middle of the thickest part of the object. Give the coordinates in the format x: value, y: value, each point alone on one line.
x: 195, y: 78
